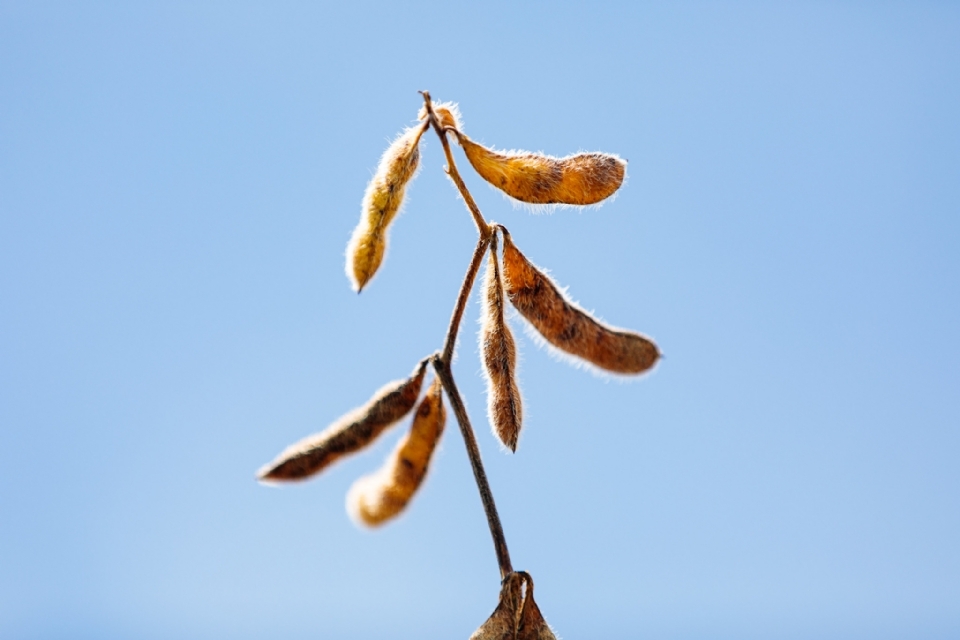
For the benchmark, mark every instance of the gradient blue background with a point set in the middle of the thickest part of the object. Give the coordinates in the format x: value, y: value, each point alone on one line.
x: 178, y: 183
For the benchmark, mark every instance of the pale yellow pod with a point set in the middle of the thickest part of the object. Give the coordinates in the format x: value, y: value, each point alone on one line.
x: 535, y: 178
x: 565, y: 325
x: 502, y: 623
x: 375, y: 499
x: 530, y: 622
x: 448, y: 114
x: 499, y: 356
x: 381, y: 203
x: 349, y: 434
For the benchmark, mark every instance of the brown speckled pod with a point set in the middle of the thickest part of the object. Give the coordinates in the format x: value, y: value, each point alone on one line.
x: 502, y: 623
x: 350, y: 433
x: 568, y: 327
x: 499, y: 356
x: 375, y: 499
x: 531, y: 625
x: 535, y: 178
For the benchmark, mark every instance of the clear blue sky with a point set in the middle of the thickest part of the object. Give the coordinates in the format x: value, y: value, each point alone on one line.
x: 177, y: 186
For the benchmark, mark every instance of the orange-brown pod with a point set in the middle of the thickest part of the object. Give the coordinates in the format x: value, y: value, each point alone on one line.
x: 530, y: 624
x: 499, y: 356
x: 350, y: 433
x: 375, y: 499
x: 565, y: 325
x: 502, y: 623
x: 535, y: 178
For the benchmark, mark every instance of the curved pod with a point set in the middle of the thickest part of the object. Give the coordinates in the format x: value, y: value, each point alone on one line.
x: 534, y: 178
x: 381, y: 203
x: 349, y: 434
x: 568, y: 327
x: 381, y: 496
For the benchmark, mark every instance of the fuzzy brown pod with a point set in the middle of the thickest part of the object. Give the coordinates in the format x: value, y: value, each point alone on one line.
x: 517, y: 616
x: 565, y: 325
x: 381, y: 496
x: 349, y: 434
x: 381, y: 203
x: 535, y: 178
x: 530, y: 623
x: 504, y: 404
x: 502, y: 623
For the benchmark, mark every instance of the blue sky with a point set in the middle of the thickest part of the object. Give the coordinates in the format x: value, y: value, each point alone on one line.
x: 178, y: 184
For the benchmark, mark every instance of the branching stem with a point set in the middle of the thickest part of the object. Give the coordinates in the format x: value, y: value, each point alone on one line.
x: 443, y: 360
x: 482, y: 225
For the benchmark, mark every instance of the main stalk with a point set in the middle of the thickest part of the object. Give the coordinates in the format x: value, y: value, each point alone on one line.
x: 442, y: 361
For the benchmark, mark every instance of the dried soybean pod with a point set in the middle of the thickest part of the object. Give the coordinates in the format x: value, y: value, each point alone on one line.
x: 381, y: 203
x: 376, y: 498
x: 531, y: 625
x: 565, y: 325
x: 535, y: 178
x: 352, y: 432
x: 502, y: 623
x: 499, y: 353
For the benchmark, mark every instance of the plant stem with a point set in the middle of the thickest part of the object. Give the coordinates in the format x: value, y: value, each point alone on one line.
x: 473, y: 452
x: 441, y: 364
x: 442, y: 361
x: 451, y: 340
x: 482, y: 225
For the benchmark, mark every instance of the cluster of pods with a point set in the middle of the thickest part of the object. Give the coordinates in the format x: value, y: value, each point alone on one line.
x: 532, y: 178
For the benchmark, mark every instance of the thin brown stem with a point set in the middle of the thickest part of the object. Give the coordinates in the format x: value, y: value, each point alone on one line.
x: 473, y: 452
x: 482, y: 225
x: 442, y: 361
x: 451, y: 340
x: 442, y: 365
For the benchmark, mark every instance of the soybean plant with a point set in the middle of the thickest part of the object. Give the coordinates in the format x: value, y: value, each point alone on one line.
x: 533, y: 179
